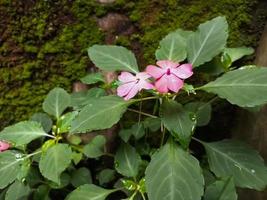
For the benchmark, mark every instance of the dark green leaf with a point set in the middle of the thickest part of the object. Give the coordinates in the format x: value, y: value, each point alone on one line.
x: 93, y: 78
x: 17, y: 191
x: 44, y: 120
x: 202, y: 111
x: 80, y: 177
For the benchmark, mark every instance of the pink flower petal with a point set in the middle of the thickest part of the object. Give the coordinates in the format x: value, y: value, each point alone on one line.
x: 132, y: 92
x: 4, y: 146
x: 174, y: 83
x: 183, y: 71
x: 162, y: 84
x: 124, y: 89
x: 143, y: 75
x: 126, y: 77
x: 154, y: 71
x: 167, y: 64
x: 145, y: 85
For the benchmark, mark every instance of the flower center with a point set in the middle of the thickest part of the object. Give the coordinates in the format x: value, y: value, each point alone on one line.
x: 168, y: 71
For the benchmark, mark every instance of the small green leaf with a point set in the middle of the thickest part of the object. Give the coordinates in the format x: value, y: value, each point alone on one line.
x: 153, y: 124
x: 174, y: 174
x: 113, y: 58
x: 9, y: 167
x: 56, y: 102
x: 243, y: 87
x: 64, y: 122
x: 208, y: 41
x: 22, y: 133
x: 221, y: 190
x: 138, y: 130
x: 237, y: 53
x: 64, y: 181
x: 93, y: 78
x: 106, y: 176
x: 232, y: 158
x: 96, y: 147
x: 17, y: 191
x: 89, y: 192
x: 94, y: 116
x: 54, y: 161
x: 172, y: 47
x: 125, y: 134
x: 80, y: 99
x: 44, y: 120
x: 127, y: 161
x: 178, y: 121
x: 80, y: 177
x: 202, y: 111
x: 41, y: 193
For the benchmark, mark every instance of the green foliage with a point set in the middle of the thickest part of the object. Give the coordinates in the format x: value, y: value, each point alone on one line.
x: 44, y: 120
x: 113, y: 58
x: 221, y: 190
x: 243, y: 87
x: 17, y: 191
x: 54, y: 161
x: 237, y: 53
x: 80, y: 177
x: 93, y: 78
x: 96, y: 147
x: 208, y: 41
x: 174, y: 174
x: 229, y: 158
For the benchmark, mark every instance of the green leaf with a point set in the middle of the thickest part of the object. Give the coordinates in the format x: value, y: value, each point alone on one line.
x: 56, y: 102
x: 96, y: 147
x: 178, y: 121
x: 99, y: 114
x: 153, y: 124
x: 64, y: 122
x: 44, y: 120
x: 125, y: 134
x: 17, y: 191
x: 232, y: 158
x: 243, y: 87
x: 106, y: 176
x: 9, y: 167
x: 23, y: 133
x: 80, y: 177
x: 237, y: 53
x: 221, y: 190
x: 138, y: 130
x: 127, y: 161
x: 202, y: 111
x: 54, y: 161
x: 172, y: 47
x: 93, y: 78
x: 174, y: 174
x: 41, y: 193
x: 208, y: 41
x: 80, y: 99
x: 63, y: 181
x: 89, y: 192
x: 113, y: 58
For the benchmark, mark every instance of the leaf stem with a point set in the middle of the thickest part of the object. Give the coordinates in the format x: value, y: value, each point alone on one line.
x: 143, y: 113
x: 50, y: 136
x: 200, y: 141
x: 146, y: 98
x: 143, y: 196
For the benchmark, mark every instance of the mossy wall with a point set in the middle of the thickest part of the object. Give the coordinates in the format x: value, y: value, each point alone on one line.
x: 43, y: 43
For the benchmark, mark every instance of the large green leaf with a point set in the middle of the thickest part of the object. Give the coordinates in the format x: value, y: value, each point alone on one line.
x: 56, y: 102
x: 113, y: 58
x: 127, y: 161
x: 89, y: 192
x: 54, y: 161
x: 232, y: 158
x: 99, y: 114
x: 172, y: 47
x: 93, y: 78
x: 208, y: 41
x: 9, y: 167
x: 202, y: 111
x: 239, y: 52
x: 178, y: 121
x: 81, y: 176
x: 18, y: 191
x: 221, y: 190
x: 243, y: 87
x: 64, y: 122
x: 174, y: 174
x: 23, y: 133
x: 95, y: 148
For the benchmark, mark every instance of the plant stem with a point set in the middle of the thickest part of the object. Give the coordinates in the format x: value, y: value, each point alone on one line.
x: 50, y: 136
x: 146, y: 98
x: 143, y: 113
x: 163, y: 136
x: 143, y: 196
x: 201, y: 142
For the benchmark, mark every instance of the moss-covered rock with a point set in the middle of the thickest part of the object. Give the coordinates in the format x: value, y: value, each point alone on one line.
x: 43, y: 43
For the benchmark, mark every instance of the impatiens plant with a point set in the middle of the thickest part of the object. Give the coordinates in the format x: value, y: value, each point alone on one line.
x: 135, y: 143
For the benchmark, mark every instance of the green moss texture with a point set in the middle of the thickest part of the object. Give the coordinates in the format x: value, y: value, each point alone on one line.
x: 43, y: 43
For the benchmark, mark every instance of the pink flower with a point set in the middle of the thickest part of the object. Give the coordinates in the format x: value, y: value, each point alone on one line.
x: 4, y: 146
x: 169, y: 75
x: 131, y: 84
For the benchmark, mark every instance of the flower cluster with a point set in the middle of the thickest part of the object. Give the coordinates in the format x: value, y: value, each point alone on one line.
x: 167, y: 76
